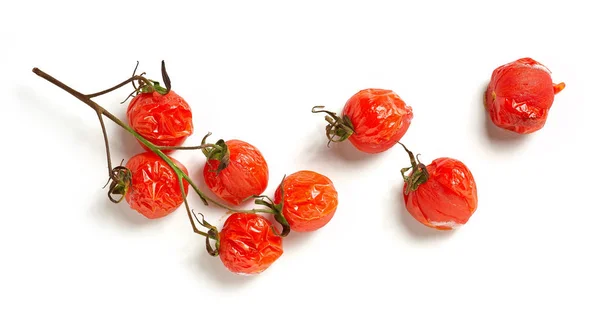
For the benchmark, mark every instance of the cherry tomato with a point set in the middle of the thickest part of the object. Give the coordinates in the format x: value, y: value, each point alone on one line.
x: 246, y: 174
x: 248, y: 244
x: 154, y: 190
x: 164, y: 120
x: 441, y: 195
x: 520, y: 95
x: 372, y: 119
x: 310, y: 200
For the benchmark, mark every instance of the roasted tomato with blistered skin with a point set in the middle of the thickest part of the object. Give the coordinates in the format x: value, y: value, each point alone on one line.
x: 248, y: 244
x: 164, y: 120
x: 372, y: 119
x: 519, y: 96
x: 239, y: 175
x: 309, y: 200
x: 154, y: 190
x: 441, y: 195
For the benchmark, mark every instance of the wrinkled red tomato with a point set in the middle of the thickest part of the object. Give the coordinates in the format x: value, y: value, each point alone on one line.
x: 248, y: 244
x: 441, y: 195
x: 246, y: 174
x: 310, y: 200
x: 372, y: 119
x: 154, y: 190
x: 164, y: 120
x: 520, y: 95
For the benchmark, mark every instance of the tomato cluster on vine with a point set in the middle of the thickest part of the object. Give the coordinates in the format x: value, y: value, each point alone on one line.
x: 441, y: 195
x: 235, y: 172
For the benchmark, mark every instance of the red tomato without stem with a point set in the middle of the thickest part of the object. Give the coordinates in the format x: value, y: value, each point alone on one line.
x: 154, y: 190
x: 310, y: 200
x: 246, y: 175
x: 519, y: 96
x: 164, y: 120
x: 443, y: 194
x: 372, y: 119
x: 248, y: 244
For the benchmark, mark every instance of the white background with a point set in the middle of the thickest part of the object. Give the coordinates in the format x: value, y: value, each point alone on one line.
x: 252, y: 70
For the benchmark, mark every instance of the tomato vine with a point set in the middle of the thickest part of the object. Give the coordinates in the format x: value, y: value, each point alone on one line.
x: 119, y: 175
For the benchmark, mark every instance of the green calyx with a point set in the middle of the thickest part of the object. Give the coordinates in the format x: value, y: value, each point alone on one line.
x: 338, y: 128
x: 419, y: 174
x: 155, y: 85
x: 120, y: 182
x: 211, y: 234
x: 276, y: 210
x: 218, y: 151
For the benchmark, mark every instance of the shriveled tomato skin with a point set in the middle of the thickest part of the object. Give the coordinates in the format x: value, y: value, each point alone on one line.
x: 519, y: 96
x: 248, y: 245
x: 164, y: 120
x: 246, y: 175
x: 380, y: 119
x: 154, y: 191
x: 447, y: 199
x: 310, y: 200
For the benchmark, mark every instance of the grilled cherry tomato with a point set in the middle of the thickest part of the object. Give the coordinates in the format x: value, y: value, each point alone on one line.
x: 235, y: 171
x: 309, y: 200
x: 248, y: 244
x: 441, y: 195
x: 520, y: 94
x: 154, y: 189
x: 164, y: 120
x: 372, y: 119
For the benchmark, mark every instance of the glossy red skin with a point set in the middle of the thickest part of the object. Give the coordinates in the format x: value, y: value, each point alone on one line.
x: 447, y: 199
x: 380, y: 119
x: 519, y: 96
x: 154, y: 191
x: 248, y: 244
x: 310, y: 200
x: 246, y: 175
x: 164, y: 120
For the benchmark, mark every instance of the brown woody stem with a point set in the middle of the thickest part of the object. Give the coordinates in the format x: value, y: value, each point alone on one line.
x: 133, y: 78
x: 107, y: 147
